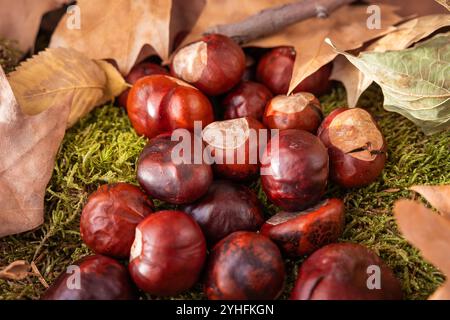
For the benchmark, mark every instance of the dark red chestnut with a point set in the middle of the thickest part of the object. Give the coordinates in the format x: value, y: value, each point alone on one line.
x: 214, y: 64
x: 110, y: 217
x: 275, y: 71
x: 168, y: 253
x: 93, y: 278
x: 302, y: 232
x: 294, y: 169
x: 345, y: 271
x: 356, y: 147
x: 246, y: 100
x: 234, y: 145
x: 244, y: 266
x: 227, y: 207
x: 137, y: 72
x: 298, y: 111
x: 159, y: 103
x: 170, y: 175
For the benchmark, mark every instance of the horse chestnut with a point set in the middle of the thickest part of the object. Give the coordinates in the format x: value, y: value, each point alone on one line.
x: 248, y: 99
x: 159, y: 103
x: 345, y: 271
x: 234, y: 145
x: 244, y: 266
x: 173, y: 180
x: 214, y: 64
x: 100, y: 278
x: 275, y: 71
x: 168, y: 253
x: 294, y: 169
x: 110, y: 216
x: 227, y: 207
x: 356, y: 147
x: 298, y: 111
x: 301, y: 233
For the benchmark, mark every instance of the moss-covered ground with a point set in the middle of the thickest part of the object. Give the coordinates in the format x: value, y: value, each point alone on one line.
x: 103, y: 148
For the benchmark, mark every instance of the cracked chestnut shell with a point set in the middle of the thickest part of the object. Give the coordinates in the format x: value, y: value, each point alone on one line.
x: 244, y: 266
x: 214, y: 64
x: 294, y: 170
x: 302, y: 232
x: 297, y: 111
x: 168, y: 253
x: 110, y: 216
x: 100, y: 278
x: 356, y: 147
x: 158, y: 103
x: 227, y: 207
x: 169, y: 179
x: 341, y: 271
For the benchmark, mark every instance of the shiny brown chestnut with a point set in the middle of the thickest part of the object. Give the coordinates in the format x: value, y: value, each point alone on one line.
x: 297, y: 111
x: 345, y: 271
x: 302, y: 232
x: 227, y: 207
x: 160, y: 103
x: 214, y: 64
x: 248, y: 99
x: 169, y: 173
x: 168, y: 253
x: 294, y: 170
x: 356, y: 147
x: 94, y: 277
x: 110, y: 217
x: 234, y: 146
x: 244, y: 266
x: 275, y: 71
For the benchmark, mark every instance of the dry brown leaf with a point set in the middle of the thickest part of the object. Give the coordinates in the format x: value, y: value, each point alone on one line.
x: 115, y: 83
x: 445, y: 3
x: 414, y: 7
x: 17, y: 270
x: 20, y: 19
x: 437, y: 196
x: 127, y: 30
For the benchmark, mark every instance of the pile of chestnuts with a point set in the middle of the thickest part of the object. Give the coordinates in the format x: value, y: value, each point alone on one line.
x: 217, y: 231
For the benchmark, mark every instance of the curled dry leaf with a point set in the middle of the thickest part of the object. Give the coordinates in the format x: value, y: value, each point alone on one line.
x: 115, y: 83
x: 17, y: 270
x: 437, y: 196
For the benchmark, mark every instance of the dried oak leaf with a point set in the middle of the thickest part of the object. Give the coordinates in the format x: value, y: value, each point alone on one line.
x: 17, y: 270
x: 306, y: 36
x: 127, y: 30
x: 20, y: 19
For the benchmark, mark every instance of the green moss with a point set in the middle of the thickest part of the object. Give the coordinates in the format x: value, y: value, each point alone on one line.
x: 9, y: 55
x: 103, y: 148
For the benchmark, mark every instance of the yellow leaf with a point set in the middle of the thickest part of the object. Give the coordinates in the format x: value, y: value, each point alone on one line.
x: 115, y: 83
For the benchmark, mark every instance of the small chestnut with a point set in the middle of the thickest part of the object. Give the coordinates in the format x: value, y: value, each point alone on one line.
x: 137, y: 72
x: 244, y: 266
x: 110, y: 216
x: 294, y: 169
x: 356, y: 147
x: 160, y: 103
x: 302, y: 232
x: 214, y: 64
x: 227, y: 207
x: 345, y: 271
x: 234, y: 146
x: 297, y: 111
x: 168, y: 253
x: 248, y: 99
x: 177, y: 181
x: 99, y: 278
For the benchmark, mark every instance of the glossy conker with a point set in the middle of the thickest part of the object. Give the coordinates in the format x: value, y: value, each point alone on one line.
x: 94, y: 277
x: 244, y: 266
x: 160, y: 103
x: 110, y: 216
x: 302, y: 232
x: 356, y: 147
x: 214, y: 64
x: 176, y: 181
x: 168, y: 253
x: 342, y: 271
x: 248, y: 99
x: 227, y: 207
x: 297, y: 111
